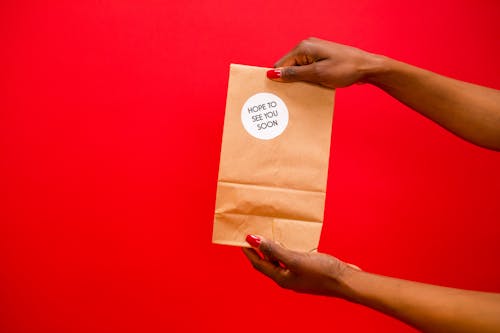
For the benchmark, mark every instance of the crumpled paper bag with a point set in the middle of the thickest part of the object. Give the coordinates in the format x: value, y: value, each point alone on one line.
x: 274, y: 160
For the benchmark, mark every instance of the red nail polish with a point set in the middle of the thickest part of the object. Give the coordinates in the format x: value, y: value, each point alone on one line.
x: 253, y: 240
x: 274, y: 73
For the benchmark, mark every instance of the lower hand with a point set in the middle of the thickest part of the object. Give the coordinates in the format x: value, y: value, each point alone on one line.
x: 313, y: 273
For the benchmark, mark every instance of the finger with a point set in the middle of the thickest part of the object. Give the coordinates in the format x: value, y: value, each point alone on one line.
x: 304, y: 53
x: 255, y: 252
x: 274, y: 253
x: 251, y: 254
x: 291, y: 59
x: 308, y: 73
x: 263, y: 266
x: 291, y: 259
x: 254, y: 241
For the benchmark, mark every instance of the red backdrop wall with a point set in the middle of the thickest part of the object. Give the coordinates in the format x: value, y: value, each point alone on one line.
x: 111, y: 116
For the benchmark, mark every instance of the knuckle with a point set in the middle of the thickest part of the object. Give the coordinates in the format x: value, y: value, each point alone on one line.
x: 306, y: 44
x: 316, y: 71
x: 266, y: 249
x: 256, y: 265
x: 319, y: 72
x: 289, y: 72
x: 311, y: 39
x: 281, y: 281
x: 307, y: 41
x: 302, y: 46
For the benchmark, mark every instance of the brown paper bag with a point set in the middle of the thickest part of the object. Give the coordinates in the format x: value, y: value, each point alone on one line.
x: 274, y: 160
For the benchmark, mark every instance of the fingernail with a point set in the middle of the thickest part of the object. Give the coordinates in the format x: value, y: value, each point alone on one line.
x: 274, y: 73
x: 253, y: 240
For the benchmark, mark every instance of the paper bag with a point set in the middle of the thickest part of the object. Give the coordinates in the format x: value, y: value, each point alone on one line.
x: 274, y: 160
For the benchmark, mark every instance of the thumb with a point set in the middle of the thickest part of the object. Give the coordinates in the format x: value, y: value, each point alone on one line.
x: 274, y: 251
x: 294, y: 73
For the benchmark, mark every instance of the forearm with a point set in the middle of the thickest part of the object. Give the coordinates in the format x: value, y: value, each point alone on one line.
x: 426, y: 307
x: 468, y: 110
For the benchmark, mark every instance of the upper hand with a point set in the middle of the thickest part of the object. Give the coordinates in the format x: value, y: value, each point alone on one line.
x: 326, y: 63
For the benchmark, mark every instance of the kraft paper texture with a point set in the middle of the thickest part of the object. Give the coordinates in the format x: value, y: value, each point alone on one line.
x: 276, y: 187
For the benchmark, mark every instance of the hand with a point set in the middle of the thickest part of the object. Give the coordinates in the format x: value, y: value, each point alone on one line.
x: 326, y: 63
x: 313, y: 273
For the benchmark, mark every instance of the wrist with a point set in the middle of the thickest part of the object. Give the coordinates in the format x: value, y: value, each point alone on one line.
x: 374, y: 68
x: 340, y: 284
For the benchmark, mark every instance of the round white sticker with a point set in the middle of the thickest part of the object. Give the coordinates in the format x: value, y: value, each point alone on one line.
x: 264, y: 116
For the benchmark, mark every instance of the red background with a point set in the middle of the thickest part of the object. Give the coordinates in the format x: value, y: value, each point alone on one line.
x: 111, y: 116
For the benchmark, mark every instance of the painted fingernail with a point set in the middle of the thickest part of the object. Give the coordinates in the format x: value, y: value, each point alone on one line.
x: 274, y: 73
x: 253, y: 240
